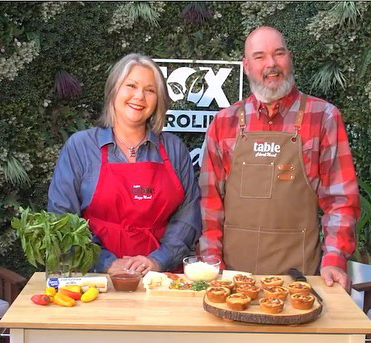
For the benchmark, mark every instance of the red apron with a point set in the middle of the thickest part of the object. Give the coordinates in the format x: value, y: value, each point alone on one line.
x: 132, y: 204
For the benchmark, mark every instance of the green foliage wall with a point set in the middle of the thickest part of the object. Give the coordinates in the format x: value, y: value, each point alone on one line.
x: 330, y: 43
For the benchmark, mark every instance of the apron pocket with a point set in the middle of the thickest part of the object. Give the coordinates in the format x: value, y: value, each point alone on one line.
x: 263, y: 252
x: 240, y: 249
x: 256, y: 181
x: 280, y: 250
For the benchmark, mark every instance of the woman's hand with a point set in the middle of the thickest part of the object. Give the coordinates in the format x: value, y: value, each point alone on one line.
x: 117, y: 266
x: 141, y: 264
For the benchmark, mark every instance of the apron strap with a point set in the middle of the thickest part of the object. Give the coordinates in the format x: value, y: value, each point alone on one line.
x: 149, y: 234
x: 241, y: 115
x: 169, y: 166
x: 240, y: 112
x: 300, y: 115
x: 105, y: 155
x: 163, y: 154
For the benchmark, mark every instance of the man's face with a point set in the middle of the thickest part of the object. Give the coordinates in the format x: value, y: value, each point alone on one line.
x: 268, y: 65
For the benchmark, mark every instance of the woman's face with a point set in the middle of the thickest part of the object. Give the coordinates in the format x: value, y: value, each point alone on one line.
x: 136, y: 98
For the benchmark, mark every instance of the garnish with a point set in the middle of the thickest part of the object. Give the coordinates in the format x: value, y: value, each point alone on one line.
x: 199, y: 285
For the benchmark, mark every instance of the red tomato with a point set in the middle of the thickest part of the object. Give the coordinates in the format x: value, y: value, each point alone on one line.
x: 41, y: 299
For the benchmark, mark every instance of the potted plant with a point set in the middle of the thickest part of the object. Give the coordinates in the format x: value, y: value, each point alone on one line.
x: 61, y: 243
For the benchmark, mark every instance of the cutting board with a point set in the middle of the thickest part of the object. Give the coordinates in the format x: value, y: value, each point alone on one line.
x: 165, y: 290
x: 253, y: 314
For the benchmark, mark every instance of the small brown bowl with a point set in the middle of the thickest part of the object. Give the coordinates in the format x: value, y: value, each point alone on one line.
x: 126, y: 280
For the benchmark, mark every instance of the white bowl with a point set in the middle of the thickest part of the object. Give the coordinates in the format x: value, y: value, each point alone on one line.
x: 197, y: 268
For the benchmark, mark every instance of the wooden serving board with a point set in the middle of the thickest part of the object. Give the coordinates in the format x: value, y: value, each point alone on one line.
x: 253, y: 314
x: 165, y: 290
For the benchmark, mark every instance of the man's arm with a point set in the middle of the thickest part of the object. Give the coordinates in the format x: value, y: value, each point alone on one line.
x: 339, y: 199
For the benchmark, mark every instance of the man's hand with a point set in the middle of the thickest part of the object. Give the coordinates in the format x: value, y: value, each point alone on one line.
x: 334, y: 274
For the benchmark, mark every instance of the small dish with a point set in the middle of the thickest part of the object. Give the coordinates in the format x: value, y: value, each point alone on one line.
x: 126, y: 280
x: 197, y: 268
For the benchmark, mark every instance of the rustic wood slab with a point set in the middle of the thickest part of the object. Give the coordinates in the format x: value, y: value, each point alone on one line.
x: 253, y: 314
x: 166, y: 291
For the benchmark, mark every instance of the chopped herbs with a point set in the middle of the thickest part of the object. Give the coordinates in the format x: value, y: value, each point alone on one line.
x: 199, y: 285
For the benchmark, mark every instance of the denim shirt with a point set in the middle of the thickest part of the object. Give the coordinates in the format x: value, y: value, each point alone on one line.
x: 76, y: 176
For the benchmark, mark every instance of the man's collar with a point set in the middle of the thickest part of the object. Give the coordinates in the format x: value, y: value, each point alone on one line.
x: 281, y: 106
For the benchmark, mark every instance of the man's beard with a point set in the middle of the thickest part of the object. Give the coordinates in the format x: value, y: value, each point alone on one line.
x: 268, y: 95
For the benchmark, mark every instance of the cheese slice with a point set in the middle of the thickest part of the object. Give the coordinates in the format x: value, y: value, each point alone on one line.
x: 155, y: 279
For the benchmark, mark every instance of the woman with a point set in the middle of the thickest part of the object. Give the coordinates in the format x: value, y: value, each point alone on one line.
x: 134, y: 183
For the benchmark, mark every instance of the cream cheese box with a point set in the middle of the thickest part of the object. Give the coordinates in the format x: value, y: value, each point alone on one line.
x: 85, y: 282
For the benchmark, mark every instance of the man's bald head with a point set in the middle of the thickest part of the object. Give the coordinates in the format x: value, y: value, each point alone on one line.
x: 261, y: 33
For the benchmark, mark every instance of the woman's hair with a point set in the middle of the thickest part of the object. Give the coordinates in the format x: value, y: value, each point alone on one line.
x: 118, y: 74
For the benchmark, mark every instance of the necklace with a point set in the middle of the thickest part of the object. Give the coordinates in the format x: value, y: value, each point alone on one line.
x: 131, y: 149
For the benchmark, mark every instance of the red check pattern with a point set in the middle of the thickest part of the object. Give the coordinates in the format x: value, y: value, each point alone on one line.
x: 327, y: 160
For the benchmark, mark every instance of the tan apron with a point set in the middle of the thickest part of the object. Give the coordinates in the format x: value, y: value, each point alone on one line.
x: 271, y: 211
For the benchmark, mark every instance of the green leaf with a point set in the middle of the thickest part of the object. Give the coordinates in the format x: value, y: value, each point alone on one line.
x: 46, y: 236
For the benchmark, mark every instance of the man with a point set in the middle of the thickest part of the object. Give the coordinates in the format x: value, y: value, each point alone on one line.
x: 269, y: 161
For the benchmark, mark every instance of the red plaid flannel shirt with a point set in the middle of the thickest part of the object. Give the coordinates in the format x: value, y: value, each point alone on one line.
x: 327, y: 159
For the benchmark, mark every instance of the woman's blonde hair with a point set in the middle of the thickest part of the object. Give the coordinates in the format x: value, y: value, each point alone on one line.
x: 118, y: 74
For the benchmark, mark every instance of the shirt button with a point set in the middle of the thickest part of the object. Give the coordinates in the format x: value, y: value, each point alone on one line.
x: 270, y: 122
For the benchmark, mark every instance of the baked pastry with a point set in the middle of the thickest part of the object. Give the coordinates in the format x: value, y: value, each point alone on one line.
x: 223, y: 283
x: 271, y: 281
x: 251, y: 290
x: 243, y: 279
x: 271, y: 305
x: 238, y: 301
x: 217, y: 294
x: 277, y: 292
x: 299, y: 287
x: 302, y: 301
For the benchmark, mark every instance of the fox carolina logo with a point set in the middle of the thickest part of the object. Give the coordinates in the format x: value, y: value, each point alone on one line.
x: 142, y: 193
x: 265, y: 149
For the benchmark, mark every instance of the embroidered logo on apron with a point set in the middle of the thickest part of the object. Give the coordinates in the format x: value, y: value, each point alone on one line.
x: 142, y: 192
x: 266, y: 149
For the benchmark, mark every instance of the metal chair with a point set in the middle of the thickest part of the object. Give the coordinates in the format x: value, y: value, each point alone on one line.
x: 11, y: 284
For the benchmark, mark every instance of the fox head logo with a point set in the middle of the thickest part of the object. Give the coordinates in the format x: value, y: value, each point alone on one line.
x: 198, y: 86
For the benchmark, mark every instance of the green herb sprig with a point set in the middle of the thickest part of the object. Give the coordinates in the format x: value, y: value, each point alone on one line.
x: 45, y: 237
x: 199, y: 285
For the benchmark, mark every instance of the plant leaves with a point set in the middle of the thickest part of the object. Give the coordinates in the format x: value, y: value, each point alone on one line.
x: 45, y: 237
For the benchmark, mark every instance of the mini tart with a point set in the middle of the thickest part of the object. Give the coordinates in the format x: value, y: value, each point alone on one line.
x: 251, y: 290
x: 238, y: 301
x: 271, y: 305
x: 217, y: 294
x: 271, y: 281
x: 223, y: 283
x: 299, y: 287
x: 277, y: 292
x: 302, y: 301
x: 243, y: 279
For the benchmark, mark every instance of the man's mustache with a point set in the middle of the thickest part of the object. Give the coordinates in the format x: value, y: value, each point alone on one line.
x: 273, y: 70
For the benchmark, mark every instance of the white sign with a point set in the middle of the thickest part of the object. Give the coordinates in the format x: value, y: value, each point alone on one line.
x: 188, y: 120
x: 193, y: 86
x: 198, y: 90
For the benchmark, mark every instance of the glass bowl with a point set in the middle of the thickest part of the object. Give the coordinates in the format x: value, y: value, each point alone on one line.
x: 126, y: 280
x: 197, y: 268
